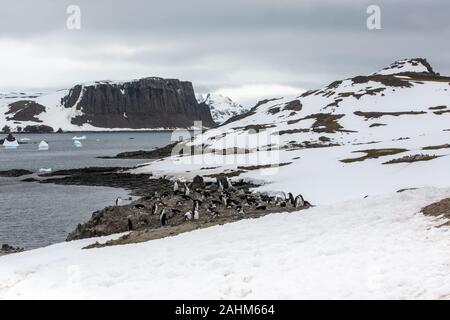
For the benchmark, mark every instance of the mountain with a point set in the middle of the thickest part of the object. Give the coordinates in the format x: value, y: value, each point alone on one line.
x: 148, y: 103
x: 222, y: 108
x: 365, y: 135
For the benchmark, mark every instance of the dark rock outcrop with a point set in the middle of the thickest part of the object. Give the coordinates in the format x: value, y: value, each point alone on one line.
x: 145, y: 103
x: 38, y: 129
x: 25, y: 110
x: 7, y: 249
x: 15, y: 173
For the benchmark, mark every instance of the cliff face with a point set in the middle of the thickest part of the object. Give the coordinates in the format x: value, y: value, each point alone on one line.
x: 144, y: 103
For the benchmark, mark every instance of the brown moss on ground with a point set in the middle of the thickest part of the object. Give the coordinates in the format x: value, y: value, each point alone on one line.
x: 413, y: 158
x: 265, y: 166
x: 442, y: 146
x: 438, y: 209
x: 374, y: 154
x: 376, y: 115
x: 374, y: 125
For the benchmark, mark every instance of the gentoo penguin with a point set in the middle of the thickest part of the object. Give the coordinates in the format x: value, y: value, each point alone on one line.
x: 175, y: 187
x: 163, y: 217
x: 118, y: 201
x: 299, y: 201
x: 188, y: 216
x: 291, y: 199
x: 220, y: 188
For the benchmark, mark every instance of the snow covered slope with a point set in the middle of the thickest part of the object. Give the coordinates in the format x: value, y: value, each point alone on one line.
x: 379, y: 248
x: 334, y: 143
x: 222, y: 108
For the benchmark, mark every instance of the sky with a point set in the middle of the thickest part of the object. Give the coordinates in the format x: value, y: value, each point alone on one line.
x: 246, y: 49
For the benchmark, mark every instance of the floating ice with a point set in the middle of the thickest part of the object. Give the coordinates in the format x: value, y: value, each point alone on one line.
x: 45, y: 170
x: 79, y: 138
x: 10, y: 144
x: 43, y: 146
x: 77, y: 143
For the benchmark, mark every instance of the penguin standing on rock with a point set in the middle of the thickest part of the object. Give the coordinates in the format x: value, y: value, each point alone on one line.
x: 291, y: 199
x: 130, y: 224
x: 299, y: 201
x: 188, y: 216
x: 175, y: 187
x: 155, y: 208
x: 195, y: 210
x: 118, y: 201
x: 187, y: 192
x: 163, y: 217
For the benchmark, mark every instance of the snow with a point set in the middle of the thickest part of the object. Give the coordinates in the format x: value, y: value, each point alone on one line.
x: 222, y: 108
x: 405, y: 65
x: 375, y: 248
x: 362, y: 240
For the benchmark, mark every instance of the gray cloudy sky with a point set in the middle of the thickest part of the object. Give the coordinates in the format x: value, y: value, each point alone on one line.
x: 244, y: 48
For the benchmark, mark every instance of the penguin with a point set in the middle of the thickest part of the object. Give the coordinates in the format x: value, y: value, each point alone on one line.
x: 118, y: 201
x: 196, y: 215
x: 195, y: 205
x: 130, y: 225
x: 187, y: 192
x: 230, y: 186
x: 291, y: 198
x: 224, y: 199
x: 163, y: 217
x: 155, y: 208
x: 188, y: 216
x: 299, y: 201
x: 240, y: 210
x: 139, y: 206
x: 175, y: 187
x: 261, y: 206
x: 220, y: 188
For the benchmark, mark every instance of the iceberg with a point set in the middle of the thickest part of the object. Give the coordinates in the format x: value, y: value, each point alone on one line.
x: 77, y: 143
x: 45, y: 170
x: 79, y: 138
x: 10, y: 144
x: 43, y: 146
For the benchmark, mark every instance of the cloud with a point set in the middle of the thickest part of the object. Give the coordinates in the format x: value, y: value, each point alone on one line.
x: 217, y: 45
x: 247, y: 94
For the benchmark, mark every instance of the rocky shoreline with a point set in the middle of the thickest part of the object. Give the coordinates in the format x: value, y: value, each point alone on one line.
x: 164, y: 208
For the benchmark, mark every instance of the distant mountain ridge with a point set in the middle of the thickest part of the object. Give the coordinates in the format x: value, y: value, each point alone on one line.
x: 142, y: 104
x: 222, y: 108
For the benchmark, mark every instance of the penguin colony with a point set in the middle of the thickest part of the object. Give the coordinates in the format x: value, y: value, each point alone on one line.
x: 191, y: 202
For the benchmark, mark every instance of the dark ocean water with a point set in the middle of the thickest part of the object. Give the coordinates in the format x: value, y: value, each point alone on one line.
x: 33, y: 215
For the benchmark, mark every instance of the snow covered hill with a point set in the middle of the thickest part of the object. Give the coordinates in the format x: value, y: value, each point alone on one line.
x: 360, y: 136
x: 376, y: 248
x: 222, y: 108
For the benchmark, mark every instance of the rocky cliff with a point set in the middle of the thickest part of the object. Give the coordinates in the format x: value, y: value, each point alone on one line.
x: 148, y: 103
